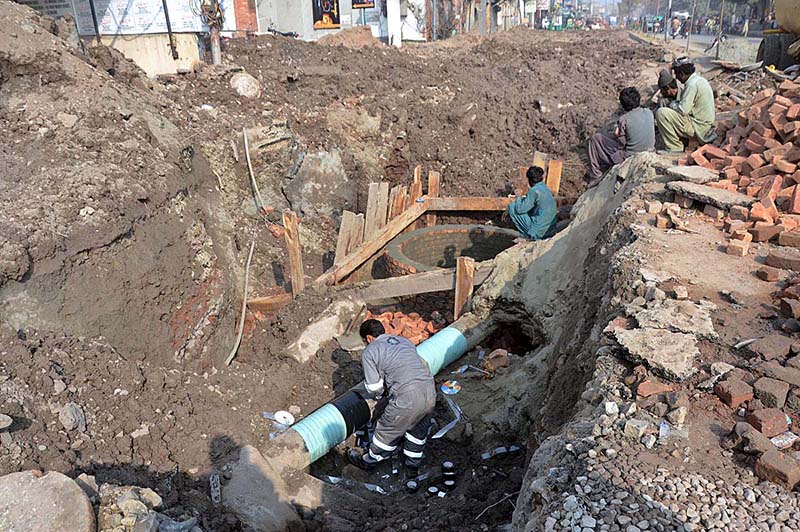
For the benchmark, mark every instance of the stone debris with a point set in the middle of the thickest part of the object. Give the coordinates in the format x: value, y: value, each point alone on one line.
x: 692, y: 174
x: 32, y: 500
x: 668, y: 354
x: 72, y: 417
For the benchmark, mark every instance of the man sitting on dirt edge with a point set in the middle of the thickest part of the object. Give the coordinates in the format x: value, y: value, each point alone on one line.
x: 535, y: 215
x: 393, y: 368
x: 635, y: 133
x: 692, y: 114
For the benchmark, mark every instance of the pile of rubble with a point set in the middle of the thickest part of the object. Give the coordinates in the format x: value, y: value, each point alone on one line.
x: 411, y: 325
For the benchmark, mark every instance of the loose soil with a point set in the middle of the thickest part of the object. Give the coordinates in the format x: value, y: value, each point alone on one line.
x: 125, y: 221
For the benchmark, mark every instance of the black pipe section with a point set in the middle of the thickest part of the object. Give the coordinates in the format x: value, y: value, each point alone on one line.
x: 354, y: 410
x: 169, y: 31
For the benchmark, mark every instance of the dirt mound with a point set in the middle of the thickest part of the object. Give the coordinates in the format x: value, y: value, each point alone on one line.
x: 357, y: 37
x: 475, y: 112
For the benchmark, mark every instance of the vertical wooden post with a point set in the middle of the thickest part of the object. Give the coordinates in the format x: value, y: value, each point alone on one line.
x: 554, y: 176
x: 434, y: 183
x: 465, y: 273
x: 377, y: 205
x: 414, y: 193
x: 292, y: 236
x: 351, y: 232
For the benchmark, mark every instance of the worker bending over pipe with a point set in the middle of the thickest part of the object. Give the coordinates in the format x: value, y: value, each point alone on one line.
x: 393, y: 369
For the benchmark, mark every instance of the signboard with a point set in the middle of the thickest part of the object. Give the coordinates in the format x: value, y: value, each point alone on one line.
x: 133, y: 17
x: 363, y: 4
x: 326, y: 14
x: 542, y: 5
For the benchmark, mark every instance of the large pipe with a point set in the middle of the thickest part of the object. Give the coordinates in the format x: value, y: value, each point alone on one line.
x: 313, y: 436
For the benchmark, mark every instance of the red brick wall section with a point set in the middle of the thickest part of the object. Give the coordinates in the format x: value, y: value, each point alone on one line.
x: 246, y: 17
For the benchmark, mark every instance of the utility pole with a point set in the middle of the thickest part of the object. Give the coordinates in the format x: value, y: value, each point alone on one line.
x: 667, y: 20
x: 719, y: 29
x: 691, y: 23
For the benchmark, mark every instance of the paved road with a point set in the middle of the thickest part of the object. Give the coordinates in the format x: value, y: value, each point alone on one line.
x: 708, y: 39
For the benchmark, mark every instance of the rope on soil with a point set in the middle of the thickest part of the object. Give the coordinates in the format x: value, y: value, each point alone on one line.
x: 259, y: 199
x: 508, y: 496
x: 244, y: 296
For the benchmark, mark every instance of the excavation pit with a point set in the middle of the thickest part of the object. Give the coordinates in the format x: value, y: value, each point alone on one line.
x: 440, y: 246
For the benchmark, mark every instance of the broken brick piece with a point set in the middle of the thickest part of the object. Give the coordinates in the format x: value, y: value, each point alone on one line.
x: 651, y: 387
x: 789, y: 238
x: 738, y: 212
x: 714, y: 212
x: 782, y: 165
x: 760, y: 213
x: 713, y: 152
x: 652, y: 207
x: 684, y: 202
x: 784, y: 258
x: 741, y: 234
x: 734, y: 392
x: 765, y: 232
x: 768, y: 273
x: 779, y: 468
x: 755, y: 161
x: 769, y: 421
x: 734, y: 225
x: 737, y: 248
x: 663, y: 222
x: 790, y: 308
x: 771, y: 392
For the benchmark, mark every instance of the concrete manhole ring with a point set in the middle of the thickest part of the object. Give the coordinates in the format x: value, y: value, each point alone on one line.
x: 440, y: 246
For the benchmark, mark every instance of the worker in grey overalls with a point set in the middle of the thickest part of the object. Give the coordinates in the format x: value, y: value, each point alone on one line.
x: 393, y: 368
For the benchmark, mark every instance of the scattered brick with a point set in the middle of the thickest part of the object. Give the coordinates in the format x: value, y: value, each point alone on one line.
x: 782, y: 165
x: 776, y: 371
x: 734, y: 225
x: 760, y: 213
x: 737, y: 248
x: 682, y: 201
x: 663, y: 222
x: 734, y: 392
x: 771, y: 392
x: 765, y: 232
x: 784, y: 258
x: 779, y: 468
x: 773, y: 185
x: 651, y: 387
x: 794, y: 202
x: 769, y: 421
x: 768, y: 273
x: 738, y: 212
x: 789, y: 238
x: 652, y: 207
x: 741, y: 234
x: 713, y: 152
x: 771, y: 347
x: 770, y: 207
x: 714, y: 212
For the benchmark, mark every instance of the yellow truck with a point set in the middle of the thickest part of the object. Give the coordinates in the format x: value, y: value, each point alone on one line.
x: 781, y: 47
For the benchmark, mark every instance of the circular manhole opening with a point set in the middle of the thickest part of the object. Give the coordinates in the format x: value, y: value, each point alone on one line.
x: 440, y: 246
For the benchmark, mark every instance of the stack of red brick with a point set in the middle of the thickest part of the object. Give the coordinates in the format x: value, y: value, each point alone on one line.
x: 759, y: 155
x: 410, y: 325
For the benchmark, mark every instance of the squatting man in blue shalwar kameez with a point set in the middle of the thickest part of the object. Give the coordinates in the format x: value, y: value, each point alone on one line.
x: 535, y: 214
x: 394, y: 369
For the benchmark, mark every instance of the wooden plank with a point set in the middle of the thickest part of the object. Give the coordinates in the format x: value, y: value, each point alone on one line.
x: 554, y: 175
x: 350, y: 235
x: 540, y: 160
x: 370, y: 247
x: 269, y: 303
x: 465, y: 274
x: 434, y: 184
x: 377, y: 205
x: 292, y: 237
x: 468, y: 204
x: 393, y: 195
x: 419, y: 283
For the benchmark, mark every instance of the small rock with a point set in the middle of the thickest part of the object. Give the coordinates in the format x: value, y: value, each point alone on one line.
x: 5, y: 421
x: 67, y: 120
x: 720, y: 368
x: 72, y: 417
x: 133, y: 508
x: 150, y: 498
x: 649, y: 441
x: 612, y: 409
x: 143, y: 431
x: 680, y: 292
x: 635, y: 428
x: 59, y: 386
x: 295, y: 410
x: 89, y: 485
x: 654, y: 294
x: 678, y: 416
x: 571, y: 503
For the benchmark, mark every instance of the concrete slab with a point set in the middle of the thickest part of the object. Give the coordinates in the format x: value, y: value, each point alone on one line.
x: 668, y: 354
x: 692, y: 174
x: 723, y: 199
